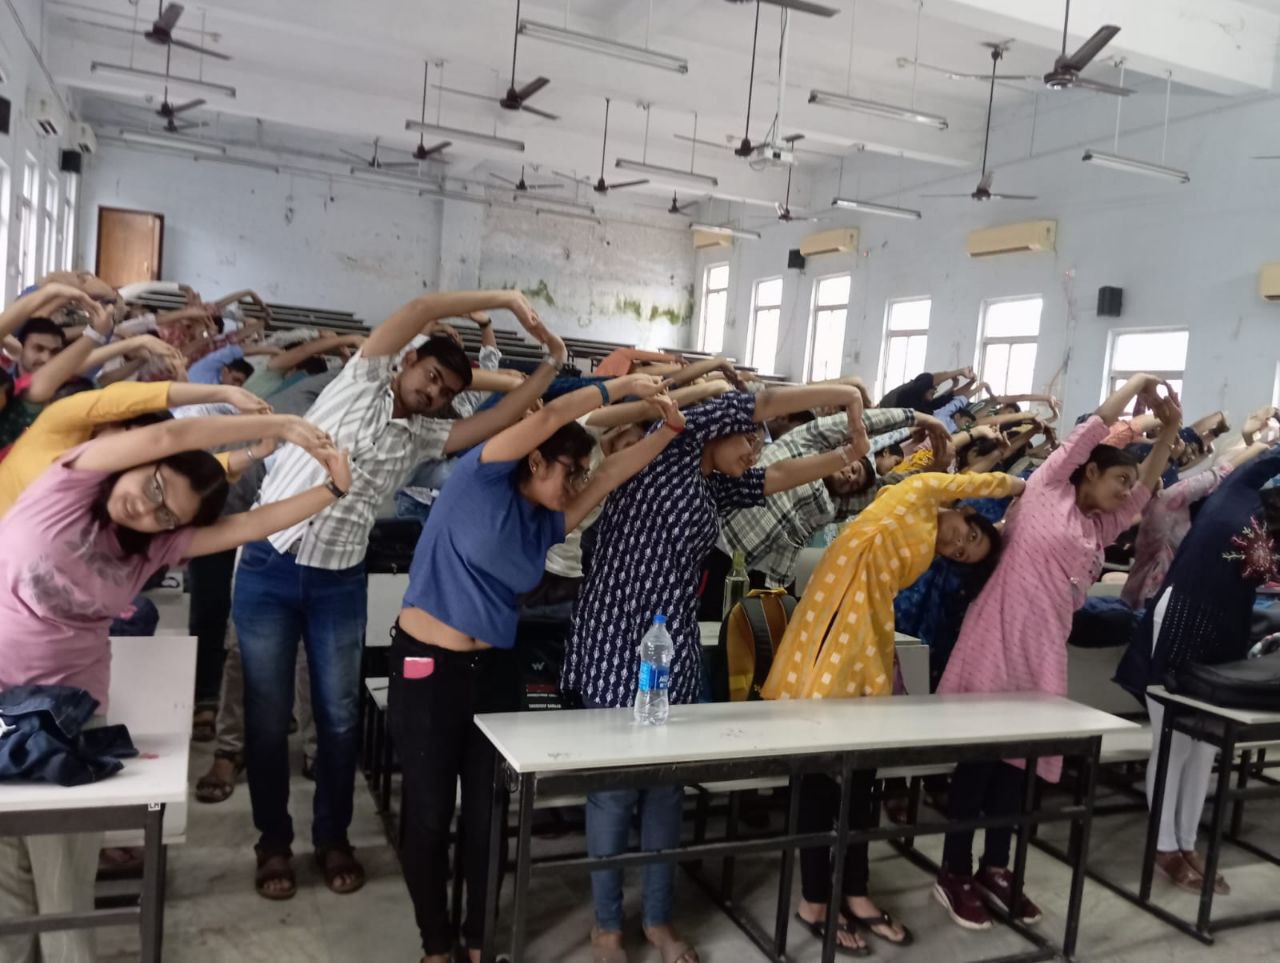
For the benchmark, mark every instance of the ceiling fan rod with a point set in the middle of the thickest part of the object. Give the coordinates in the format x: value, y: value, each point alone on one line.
x: 426, y: 65
x: 991, y: 99
x: 1115, y: 141
x: 604, y: 141
x: 515, y: 46
x: 1066, y: 20
x: 751, y: 80
x: 1168, y: 89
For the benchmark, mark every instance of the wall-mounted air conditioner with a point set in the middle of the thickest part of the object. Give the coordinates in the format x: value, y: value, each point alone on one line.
x: 837, y: 241
x: 84, y: 139
x: 46, y: 113
x: 1269, y: 281
x: 1012, y: 238
x: 705, y: 239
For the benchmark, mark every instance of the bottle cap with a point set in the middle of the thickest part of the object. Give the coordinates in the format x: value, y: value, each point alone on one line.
x: 659, y: 620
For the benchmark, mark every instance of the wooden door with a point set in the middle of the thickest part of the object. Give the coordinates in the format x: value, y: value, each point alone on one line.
x: 130, y: 245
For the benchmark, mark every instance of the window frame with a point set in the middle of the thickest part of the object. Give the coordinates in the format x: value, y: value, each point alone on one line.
x: 707, y: 292
x: 811, y: 342
x: 50, y: 210
x: 984, y: 341
x: 1110, y: 373
x: 888, y: 335
x: 4, y: 225
x: 69, y: 211
x: 28, y: 223
x: 771, y: 367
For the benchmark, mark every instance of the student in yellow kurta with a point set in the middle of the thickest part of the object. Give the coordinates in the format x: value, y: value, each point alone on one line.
x: 839, y: 644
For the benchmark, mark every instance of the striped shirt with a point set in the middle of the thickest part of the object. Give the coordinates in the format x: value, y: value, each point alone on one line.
x: 771, y: 535
x: 356, y: 410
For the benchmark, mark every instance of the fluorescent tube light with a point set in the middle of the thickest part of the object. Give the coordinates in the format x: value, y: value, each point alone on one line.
x: 173, y: 143
x: 658, y: 172
x: 827, y: 98
x: 458, y: 133
x: 98, y: 67
x: 1134, y: 166
x: 724, y: 230
x: 866, y: 207
x: 602, y: 45
x: 525, y: 199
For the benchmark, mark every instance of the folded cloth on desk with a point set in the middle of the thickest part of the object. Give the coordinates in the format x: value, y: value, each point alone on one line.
x: 43, y: 737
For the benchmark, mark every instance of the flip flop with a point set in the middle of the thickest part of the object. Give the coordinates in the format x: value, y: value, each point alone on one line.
x: 212, y: 790
x: 340, y: 860
x: 275, y: 867
x: 884, y: 919
x: 819, y: 932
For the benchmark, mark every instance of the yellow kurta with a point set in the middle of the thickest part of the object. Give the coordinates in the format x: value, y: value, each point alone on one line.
x: 839, y: 642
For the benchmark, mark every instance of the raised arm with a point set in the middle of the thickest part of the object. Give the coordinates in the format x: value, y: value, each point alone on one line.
x: 42, y: 302
x: 391, y: 336
x: 66, y: 363
x: 1139, y: 384
x: 146, y: 345
x: 790, y: 473
x: 632, y: 412
x: 1153, y: 466
x: 698, y: 369
x: 284, y: 360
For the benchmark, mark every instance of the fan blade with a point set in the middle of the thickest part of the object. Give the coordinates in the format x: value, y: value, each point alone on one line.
x: 545, y: 187
x: 465, y: 93
x: 505, y: 180
x: 1265, y: 157
x: 531, y: 88
x: 189, y: 105
x: 540, y: 113
x: 573, y: 178
x: 684, y: 207
x: 168, y: 18
x: 1100, y: 87
x: 946, y: 195
x: 622, y: 184
x: 804, y: 6
x: 100, y: 26
x: 196, y: 47
x: 705, y: 143
x: 435, y: 149
x: 1012, y: 197
x: 398, y: 165
x: 1091, y: 48
x: 353, y: 155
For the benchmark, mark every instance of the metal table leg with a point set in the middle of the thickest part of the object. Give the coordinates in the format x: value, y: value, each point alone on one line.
x: 837, y: 855
x: 1157, y: 804
x: 1220, y: 803
x: 151, y: 916
x: 786, y: 875
x: 1081, y: 829
x: 524, y: 826
x: 496, y: 818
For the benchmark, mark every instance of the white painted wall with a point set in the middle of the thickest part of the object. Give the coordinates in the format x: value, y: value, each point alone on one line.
x: 1186, y: 256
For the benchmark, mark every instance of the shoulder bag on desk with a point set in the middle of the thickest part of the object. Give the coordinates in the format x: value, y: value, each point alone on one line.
x: 1252, y: 683
x: 749, y: 637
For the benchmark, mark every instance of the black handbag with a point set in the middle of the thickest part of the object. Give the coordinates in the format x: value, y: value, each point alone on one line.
x: 1252, y: 683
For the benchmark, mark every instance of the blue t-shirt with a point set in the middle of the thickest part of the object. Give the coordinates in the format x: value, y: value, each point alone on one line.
x: 484, y: 545
x: 208, y: 370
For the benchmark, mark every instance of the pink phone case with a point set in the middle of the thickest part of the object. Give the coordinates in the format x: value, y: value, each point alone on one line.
x: 418, y: 668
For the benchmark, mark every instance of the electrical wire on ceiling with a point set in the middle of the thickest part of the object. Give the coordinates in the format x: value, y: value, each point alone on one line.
x: 772, y: 132
x: 35, y: 53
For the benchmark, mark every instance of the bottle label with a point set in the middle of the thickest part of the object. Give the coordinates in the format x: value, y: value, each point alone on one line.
x: 653, y: 677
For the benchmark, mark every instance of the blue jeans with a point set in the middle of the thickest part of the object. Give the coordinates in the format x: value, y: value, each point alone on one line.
x: 276, y: 602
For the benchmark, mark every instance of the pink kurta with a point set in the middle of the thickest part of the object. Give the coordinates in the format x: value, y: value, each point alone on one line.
x: 1014, y: 637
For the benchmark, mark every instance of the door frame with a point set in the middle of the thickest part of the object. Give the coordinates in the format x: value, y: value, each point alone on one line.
x: 97, y: 241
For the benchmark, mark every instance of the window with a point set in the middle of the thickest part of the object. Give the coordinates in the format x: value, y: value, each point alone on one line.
x: 1007, y: 355
x: 830, y: 309
x: 4, y: 226
x: 49, y: 225
x: 67, y: 241
x: 766, y: 312
x: 1162, y: 353
x: 27, y: 224
x: 906, y: 333
x: 715, y: 304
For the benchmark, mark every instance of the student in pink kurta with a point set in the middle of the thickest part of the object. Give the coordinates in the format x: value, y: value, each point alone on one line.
x: 1015, y: 633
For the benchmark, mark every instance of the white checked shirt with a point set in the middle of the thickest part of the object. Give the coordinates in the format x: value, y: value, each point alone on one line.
x: 356, y: 411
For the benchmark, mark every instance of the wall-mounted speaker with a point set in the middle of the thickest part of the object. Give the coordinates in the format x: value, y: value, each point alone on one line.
x: 72, y: 162
x: 4, y: 115
x: 1110, y: 301
x: 795, y: 259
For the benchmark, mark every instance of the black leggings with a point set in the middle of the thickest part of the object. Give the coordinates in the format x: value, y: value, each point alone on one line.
x: 819, y: 807
x: 982, y: 789
x: 431, y: 724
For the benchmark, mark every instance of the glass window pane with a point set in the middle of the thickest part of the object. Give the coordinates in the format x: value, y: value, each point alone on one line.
x: 895, y: 364
x: 1150, y: 351
x: 995, y: 366
x: 915, y: 357
x: 1012, y: 319
x: 764, y: 347
x: 713, y: 324
x: 769, y: 293
x: 910, y: 315
x: 834, y: 292
x: 1022, y: 368
x: 828, y: 344
x: 718, y: 277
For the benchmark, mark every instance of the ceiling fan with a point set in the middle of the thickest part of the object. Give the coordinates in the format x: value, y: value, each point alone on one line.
x: 522, y: 187
x: 963, y: 75
x: 515, y: 97
x: 784, y: 209
x: 1066, y: 70
x: 983, y: 191
x: 678, y: 208
x: 375, y: 161
x: 600, y: 187
x: 422, y: 151
x: 799, y: 6
x: 170, y: 112
x: 161, y: 31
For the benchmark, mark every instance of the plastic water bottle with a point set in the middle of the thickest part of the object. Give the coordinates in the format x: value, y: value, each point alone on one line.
x: 656, y: 652
x: 736, y: 583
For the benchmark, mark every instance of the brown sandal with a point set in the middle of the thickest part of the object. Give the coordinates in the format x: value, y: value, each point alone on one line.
x: 1196, y: 862
x: 211, y: 789
x: 273, y: 867
x: 340, y: 860
x: 1181, y: 873
x: 204, y: 725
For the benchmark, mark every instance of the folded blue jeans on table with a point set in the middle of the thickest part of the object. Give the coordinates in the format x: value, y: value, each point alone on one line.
x: 43, y: 739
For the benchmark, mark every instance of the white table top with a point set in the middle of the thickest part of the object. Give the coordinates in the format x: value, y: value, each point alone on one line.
x: 605, y: 738
x: 157, y: 775
x: 1248, y: 717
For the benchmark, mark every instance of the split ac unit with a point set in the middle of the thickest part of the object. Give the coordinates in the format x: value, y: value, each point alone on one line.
x: 705, y: 239
x: 84, y: 139
x: 830, y: 242
x: 46, y: 114
x: 1269, y: 281
x: 1012, y: 238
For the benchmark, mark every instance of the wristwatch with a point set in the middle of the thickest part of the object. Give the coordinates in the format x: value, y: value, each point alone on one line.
x: 334, y: 490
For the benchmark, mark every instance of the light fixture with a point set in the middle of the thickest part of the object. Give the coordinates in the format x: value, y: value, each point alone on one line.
x: 673, y: 174
x: 725, y: 230
x: 827, y: 98
x: 458, y: 133
x: 173, y: 143
x: 866, y: 207
x: 524, y: 200
x: 602, y: 45
x: 1134, y: 166
x: 98, y: 67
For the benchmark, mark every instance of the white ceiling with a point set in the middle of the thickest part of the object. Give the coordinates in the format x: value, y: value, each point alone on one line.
x: 318, y: 76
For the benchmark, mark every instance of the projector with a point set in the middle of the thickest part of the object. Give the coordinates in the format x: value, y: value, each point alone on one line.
x: 776, y: 154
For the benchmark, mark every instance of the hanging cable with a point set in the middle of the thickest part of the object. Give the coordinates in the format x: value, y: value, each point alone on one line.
x: 1115, y: 143
x: 1168, y: 89
x: 848, y: 71
x: 915, y: 54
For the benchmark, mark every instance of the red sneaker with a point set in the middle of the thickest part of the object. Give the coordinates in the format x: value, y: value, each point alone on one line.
x: 958, y: 895
x: 996, y: 885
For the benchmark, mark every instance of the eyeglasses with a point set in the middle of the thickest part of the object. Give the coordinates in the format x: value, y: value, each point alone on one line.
x: 154, y: 492
x: 575, y: 476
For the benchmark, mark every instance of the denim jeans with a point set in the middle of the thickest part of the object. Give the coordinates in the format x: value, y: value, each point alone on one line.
x: 276, y: 602
x: 608, y: 832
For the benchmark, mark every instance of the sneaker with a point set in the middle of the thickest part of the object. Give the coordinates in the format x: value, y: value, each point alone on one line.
x: 996, y: 884
x: 961, y: 900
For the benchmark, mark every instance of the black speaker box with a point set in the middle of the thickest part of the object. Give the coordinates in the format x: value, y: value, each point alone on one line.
x: 4, y: 115
x: 1110, y: 301
x: 72, y: 162
x: 795, y: 259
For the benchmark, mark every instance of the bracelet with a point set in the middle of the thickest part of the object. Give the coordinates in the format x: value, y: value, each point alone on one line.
x: 678, y: 429
x: 333, y: 488
x: 95, y: 336
x: 604, y: 392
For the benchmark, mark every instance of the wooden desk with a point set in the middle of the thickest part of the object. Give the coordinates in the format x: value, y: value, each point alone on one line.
x: 587, y: 750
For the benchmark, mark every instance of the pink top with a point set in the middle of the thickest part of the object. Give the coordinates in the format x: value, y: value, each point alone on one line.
x: 63, y: 578
x: 1014, y: 637
x: 1165, y: 524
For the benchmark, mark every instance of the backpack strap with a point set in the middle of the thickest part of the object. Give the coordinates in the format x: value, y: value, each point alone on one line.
x: 762, y: 639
